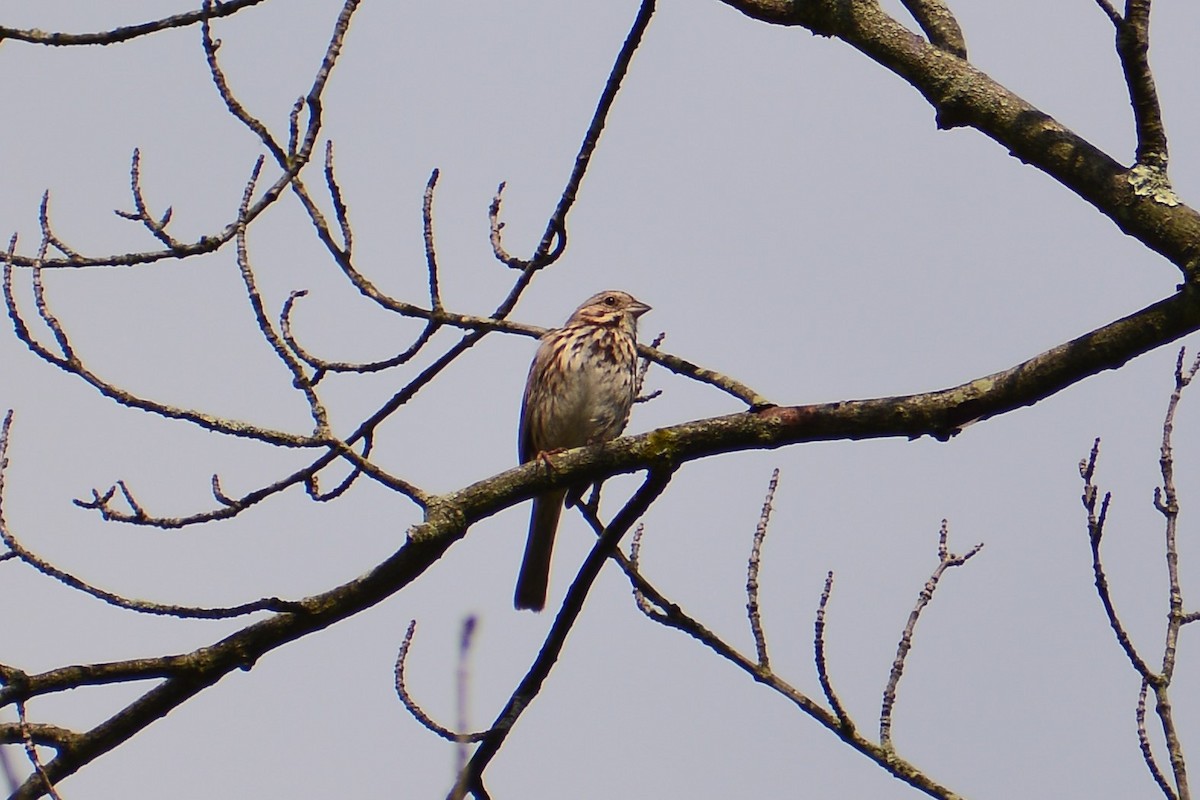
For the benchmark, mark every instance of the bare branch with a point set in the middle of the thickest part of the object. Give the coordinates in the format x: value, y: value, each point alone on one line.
x: 1111, y: 12
x: 32, y: 754
x: 225, y: 8
x: 20, y: 686
x: 322, y: 366
x: 496, y: 227
x: 752, y: 608
x: 207, y: 243
x: 39, y: 294
x: 300, y: 381
x: 435, y: 295
x: 53, y: 736
x: 312, y: 485
x: 157, y: 227
x: 819, y: 654
x: 630, y: 568
x: 946, y: 559
x: 939, y: 24
x: 1095, y: 534
x: 964, y: 95
x: 413, y: 708
x: 335, y: 191
x: 704, y: 375
x: 68, y: 362
x: 644, y: 367
x: 1147, y: 750
x: 658, y: 608
x: 1167, y: 503
x: 655, y: 483
x: 67, y: 579
x: 554, y: 240
x: 1133, y: 47
x: 231, y: 102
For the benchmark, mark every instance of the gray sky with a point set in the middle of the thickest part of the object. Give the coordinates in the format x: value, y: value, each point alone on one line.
x: 796, y: 220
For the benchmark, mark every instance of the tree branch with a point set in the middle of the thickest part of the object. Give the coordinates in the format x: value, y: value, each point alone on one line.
x: 124, y: 34
x: 939, y: 24
x: 471, y: 779
x: 963, y: 95
x: 1133, y: 47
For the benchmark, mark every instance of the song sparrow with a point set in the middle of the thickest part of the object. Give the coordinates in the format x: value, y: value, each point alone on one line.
x: 579, y: 392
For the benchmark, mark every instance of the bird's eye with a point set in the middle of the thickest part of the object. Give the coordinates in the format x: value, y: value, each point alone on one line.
x: 610, y: 300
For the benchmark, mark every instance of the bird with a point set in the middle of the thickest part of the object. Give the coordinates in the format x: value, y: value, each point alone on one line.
x: 579, y: 392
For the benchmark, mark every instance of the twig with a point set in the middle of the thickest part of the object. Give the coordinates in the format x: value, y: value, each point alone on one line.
x: 232, y: 506
x: 335, y: 191
x: 1147, y: 749
x: 658, y: 608
x: 34, y: 36
x: 630, y: 568
x: 435, y: 295
x: 39, y: 290
x: 1167, y: 502
x: 680, y: 366
x: 643, y: 368
x: 20, y: 686
x: 312, y: 485
x: 68, y: 362
x: 31, y: 752
x: 554, y: 240
x: 141, y: 606
x: 233, y: 105
x: 819, y: 655
x: 206, y: 243
x: 496, y: 228
x: 322, y: 366
x: 157, y: 227
x: 1095, y: 523
x: 48, y: 235
x: 413, y: 708
x: 300, y: 381
x: 752, y: 607
x: 946, y: 560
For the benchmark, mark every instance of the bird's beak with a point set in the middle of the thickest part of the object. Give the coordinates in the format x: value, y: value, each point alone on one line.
x: 638, y: 308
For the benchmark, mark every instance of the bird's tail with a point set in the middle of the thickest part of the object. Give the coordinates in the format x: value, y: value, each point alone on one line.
x: 535, y: 569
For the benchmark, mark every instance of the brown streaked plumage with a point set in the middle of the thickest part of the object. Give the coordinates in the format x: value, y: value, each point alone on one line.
x: 579, y: 392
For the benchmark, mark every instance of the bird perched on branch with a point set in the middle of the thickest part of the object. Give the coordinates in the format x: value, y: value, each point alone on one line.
x: 579, y: 392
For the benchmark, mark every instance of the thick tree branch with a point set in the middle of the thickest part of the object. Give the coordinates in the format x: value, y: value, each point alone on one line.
x: 962, y: 95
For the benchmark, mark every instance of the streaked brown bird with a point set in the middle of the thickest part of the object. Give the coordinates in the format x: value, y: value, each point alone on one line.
x: 579, y: 392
